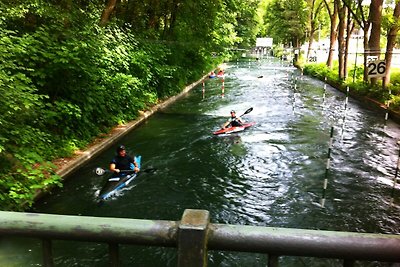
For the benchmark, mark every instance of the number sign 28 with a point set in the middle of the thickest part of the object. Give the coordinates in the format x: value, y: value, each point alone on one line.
x: 376, y: 68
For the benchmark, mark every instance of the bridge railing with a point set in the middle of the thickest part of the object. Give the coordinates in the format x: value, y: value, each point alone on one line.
x: 194, y: 235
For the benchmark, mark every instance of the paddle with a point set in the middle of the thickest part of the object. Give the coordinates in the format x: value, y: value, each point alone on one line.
x: 247, y: 112
x: 100, y: 171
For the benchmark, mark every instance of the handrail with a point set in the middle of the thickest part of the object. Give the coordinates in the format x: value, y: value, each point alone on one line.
x: 305, y: 243
x: 85, y: 228
x: 194, y: 235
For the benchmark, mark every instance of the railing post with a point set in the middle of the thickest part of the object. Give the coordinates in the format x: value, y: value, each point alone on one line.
x: 273, y: 260
x: 348, y: 263
x: 192, y: 238
x: 113, y: 251
x: 47, y: 253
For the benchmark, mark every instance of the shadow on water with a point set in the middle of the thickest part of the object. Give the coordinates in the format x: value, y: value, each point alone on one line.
x: 268, y: 175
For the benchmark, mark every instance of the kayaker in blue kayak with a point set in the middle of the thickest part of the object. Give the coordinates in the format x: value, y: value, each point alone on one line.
x: 123, y: 161
x: 234, y: 121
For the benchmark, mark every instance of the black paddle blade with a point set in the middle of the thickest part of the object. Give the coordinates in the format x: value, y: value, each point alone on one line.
x: 149, y: 170
x: 248, y: 111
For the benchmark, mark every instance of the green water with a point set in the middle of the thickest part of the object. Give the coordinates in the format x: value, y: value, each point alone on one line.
x: 269, y: 175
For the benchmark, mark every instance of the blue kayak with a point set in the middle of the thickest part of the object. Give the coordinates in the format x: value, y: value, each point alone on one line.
x: 116, y: 183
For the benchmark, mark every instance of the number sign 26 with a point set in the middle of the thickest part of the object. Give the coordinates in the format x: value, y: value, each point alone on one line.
x: 376, y: 68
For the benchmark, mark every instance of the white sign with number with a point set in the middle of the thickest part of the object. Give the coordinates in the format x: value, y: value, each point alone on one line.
x: 371, y: 58
x: 376, y: 68
x: 312, y: 59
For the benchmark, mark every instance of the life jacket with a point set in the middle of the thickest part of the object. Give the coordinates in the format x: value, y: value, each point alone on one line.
x: 234, y: 122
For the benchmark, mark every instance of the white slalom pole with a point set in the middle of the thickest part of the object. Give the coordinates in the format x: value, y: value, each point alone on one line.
x: 203, y: 89
x: 396, y: 173
x: 387, y: 108
x: 346, y: 101
x: 294, y: 95
x: 347, y: 98
x: 328, y: 163
x: 223, y: 88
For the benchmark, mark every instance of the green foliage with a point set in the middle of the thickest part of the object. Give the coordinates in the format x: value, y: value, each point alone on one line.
x: 247, y: 22
x: 321, y: 71
x: 395, y: 78
x: 20, y: 185
x: 362, y: 88
x: 287, y: 21
x: 65, y: 80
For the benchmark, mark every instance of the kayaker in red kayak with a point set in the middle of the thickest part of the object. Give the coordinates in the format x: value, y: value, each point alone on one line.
x: 234, y: 121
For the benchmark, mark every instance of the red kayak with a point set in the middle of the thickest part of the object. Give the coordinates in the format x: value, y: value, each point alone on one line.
x: 234, y: 129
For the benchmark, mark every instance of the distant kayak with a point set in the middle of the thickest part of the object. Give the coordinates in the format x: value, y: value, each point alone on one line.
x: 234, y: 129
x: 116, y: 183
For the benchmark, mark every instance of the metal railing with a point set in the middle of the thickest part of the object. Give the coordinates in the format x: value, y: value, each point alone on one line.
x: 194, y: 235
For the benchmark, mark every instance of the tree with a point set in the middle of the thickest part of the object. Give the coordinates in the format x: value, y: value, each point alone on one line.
x: 375, y: 18
x: 332, y: 9
x: 350, y: 25
x: 287, y: 21
x: 247, y: 23
x: 371, y: 44
x: 108, y: 9
x: 394, y: 27
x: 315, y: 7
x: 341, y: 38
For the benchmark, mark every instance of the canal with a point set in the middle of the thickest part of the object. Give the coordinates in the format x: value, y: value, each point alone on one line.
x: 272, y: 174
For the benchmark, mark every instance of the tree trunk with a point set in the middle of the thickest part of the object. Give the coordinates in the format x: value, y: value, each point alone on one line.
x: 174, y: 14
x: 349, y: 32
x: 333, y: 16
x: 359, y: 17
x: 366, y: 53
x: 310, y: 42
x: 375, y: 19
x: 153, y: 15
x: 105, y: 16
x: 341, y: 40
x: 391, y: 41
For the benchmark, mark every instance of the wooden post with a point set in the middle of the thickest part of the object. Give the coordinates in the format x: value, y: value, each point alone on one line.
x: 273, y: 260
x: 47, y: 253
x: 113, y: 251
x: 192, y: 238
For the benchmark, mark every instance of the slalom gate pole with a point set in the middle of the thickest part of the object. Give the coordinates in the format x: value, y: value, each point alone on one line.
x: 346, y: 101
x: 328, y: 163
x: 396, y: 173
x: 387, y: 108
x: 294, y: 94
x: 223, y: 88
x: 203, y: 89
